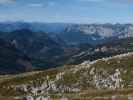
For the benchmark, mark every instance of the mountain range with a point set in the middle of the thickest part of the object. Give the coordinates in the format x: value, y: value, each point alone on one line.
x: 74, y: 33
x: 49, y: 45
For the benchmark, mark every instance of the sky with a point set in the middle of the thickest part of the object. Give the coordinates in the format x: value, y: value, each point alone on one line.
x: 67, y: 11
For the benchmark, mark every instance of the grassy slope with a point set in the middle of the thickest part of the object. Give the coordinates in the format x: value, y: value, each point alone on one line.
x: 124, y: 64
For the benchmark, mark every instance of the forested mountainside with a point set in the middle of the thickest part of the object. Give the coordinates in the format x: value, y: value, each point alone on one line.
x: 12, y: 60
x: 46, y: 51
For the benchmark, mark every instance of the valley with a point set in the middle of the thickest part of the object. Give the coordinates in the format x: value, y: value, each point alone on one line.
x: 66, y: 62
x: 53, y: 45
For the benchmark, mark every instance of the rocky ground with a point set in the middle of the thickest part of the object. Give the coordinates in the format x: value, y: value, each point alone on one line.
x: 103, y: 79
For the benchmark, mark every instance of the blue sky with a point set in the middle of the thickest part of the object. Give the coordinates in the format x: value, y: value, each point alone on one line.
x: 68, y: 11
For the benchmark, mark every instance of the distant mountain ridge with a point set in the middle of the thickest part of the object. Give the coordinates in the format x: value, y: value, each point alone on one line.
x: 74, y: 33
x: 96, y: 33
x: 35, y: 26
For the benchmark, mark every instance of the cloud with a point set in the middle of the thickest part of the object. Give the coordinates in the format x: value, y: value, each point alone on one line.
x: 113, y: 1
x: 35, y: 5
x: 51, y: 3
x: 121, y: 3
x: 127, y: 1
x: 91, y: 0
x: 6, y: 1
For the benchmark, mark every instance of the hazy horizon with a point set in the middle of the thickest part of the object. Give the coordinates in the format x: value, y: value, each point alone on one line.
x: 70, y: 11
x: 30, y: 22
